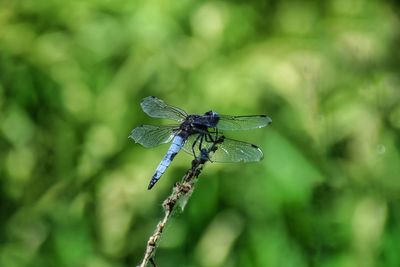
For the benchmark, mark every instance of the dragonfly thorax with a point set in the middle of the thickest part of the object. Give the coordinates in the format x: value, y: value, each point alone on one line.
x: 195, y: 123
x: 212, y: 118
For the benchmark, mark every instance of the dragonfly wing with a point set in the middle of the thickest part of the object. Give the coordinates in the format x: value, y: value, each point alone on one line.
x: 151, y: 135
x: 157, y: 108
x: 235, y: 123
x: 188, y: 145
x: 229, y: 151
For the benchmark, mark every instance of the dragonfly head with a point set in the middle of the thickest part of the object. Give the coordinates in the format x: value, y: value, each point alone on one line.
x: 211, y: 113
x: 213, y: 118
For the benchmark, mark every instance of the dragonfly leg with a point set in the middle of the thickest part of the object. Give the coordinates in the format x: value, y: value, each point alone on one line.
x: 194, y: 144
x: 212, y: 138
x: 201, y: 141
x: 203, y: 151
x: 209, y: 138
x: 215, y: 133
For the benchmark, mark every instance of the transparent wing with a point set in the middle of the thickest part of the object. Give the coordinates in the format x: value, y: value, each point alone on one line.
x: 151, y: 135
x: 235, y: 123
x: 157, y: 108
x: 188, y: 145
x: 229, y: 151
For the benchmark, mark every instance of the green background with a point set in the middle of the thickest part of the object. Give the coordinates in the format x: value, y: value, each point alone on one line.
x: 73, y: 186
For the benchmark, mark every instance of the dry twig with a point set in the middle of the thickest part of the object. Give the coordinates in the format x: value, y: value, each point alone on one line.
x: 181, y: 191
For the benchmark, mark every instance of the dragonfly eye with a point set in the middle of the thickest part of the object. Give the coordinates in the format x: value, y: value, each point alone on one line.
x: 211, y: 113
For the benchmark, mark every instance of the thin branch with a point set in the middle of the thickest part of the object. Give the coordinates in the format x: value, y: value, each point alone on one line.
x: 181, y: 192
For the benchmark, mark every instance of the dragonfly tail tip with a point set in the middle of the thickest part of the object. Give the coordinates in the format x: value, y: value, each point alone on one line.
x: 151, y: 184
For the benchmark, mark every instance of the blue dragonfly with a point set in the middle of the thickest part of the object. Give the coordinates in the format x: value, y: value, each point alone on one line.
x: 196, y: 133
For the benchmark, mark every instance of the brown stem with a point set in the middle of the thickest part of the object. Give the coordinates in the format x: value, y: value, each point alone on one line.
x: 180, y: 191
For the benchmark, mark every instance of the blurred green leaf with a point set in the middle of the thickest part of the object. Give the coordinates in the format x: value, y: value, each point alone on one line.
x: 73, y: 186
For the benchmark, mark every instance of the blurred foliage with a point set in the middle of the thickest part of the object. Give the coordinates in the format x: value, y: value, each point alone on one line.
x: 73, y: 186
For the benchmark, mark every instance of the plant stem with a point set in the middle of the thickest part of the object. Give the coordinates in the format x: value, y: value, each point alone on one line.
x: 180, y: 191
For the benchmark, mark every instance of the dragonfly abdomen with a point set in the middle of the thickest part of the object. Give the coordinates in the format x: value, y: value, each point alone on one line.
x: 176, y: 145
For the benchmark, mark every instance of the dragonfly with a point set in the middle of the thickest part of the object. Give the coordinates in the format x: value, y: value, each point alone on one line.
x: 195, y: 134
